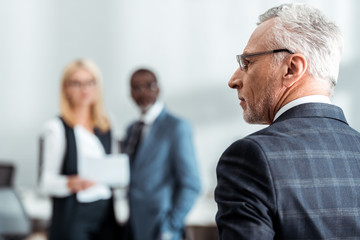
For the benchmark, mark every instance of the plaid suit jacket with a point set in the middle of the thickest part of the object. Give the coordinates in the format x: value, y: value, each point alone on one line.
x: 299, y: 178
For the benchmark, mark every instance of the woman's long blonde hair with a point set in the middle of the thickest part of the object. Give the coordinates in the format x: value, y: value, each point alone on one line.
x: 98, y: 116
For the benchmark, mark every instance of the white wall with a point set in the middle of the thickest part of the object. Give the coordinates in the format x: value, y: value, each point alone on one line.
x: 191, y: 44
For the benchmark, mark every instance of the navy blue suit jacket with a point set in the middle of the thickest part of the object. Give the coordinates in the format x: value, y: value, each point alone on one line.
x: 299, y: 178
x: 164, y: 179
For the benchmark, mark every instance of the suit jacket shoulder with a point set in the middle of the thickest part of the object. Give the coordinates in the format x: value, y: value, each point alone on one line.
x: 297, y: 170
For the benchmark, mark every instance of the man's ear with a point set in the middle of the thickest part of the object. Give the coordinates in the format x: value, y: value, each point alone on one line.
x: 296, y: 68
x: 157, y: 92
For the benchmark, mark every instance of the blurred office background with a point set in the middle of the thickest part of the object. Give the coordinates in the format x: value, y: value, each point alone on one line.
x: 190, y: 44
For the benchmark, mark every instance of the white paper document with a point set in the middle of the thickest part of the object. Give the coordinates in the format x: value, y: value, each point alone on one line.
x: 112, y: 170
x: 94, y: 193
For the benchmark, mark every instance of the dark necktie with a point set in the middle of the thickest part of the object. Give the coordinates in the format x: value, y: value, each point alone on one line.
x: 135, y: 139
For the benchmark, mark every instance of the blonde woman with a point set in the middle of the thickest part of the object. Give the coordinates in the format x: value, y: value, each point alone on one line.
x: 82, y: 209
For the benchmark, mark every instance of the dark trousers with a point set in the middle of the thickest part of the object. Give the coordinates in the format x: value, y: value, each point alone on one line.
x: 92, y: 221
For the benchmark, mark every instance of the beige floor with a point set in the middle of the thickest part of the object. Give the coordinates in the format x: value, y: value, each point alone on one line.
x: 37, y: 236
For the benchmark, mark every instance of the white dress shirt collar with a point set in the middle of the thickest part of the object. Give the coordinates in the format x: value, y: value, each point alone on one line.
x: 302, y: 100
x: 154, y: 111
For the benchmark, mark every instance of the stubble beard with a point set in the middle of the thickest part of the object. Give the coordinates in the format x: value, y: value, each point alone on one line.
x: 258, y: 112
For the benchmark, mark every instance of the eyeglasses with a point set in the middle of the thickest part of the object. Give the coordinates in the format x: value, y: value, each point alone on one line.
x: 243, y: 63
x: 78, y: 85
x: 147, y: 87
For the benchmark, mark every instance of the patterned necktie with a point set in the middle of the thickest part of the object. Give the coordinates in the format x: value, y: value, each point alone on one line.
x: 135, y: 139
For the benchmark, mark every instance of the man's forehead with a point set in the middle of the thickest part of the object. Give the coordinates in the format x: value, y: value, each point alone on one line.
x: 143, y: 77
x: 257, y: 40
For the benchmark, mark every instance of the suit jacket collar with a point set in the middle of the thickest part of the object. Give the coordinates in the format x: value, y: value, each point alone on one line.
x: 152, y: 114
x: 313, y: 110
x: 302, y: 100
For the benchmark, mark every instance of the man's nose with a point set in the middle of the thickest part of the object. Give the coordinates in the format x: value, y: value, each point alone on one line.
x: 235, y: 80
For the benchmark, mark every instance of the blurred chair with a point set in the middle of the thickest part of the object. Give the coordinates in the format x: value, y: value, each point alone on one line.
x: 14, y: 222
x: 6, y: 174
x: 40, y: 220
x: 41, y: 156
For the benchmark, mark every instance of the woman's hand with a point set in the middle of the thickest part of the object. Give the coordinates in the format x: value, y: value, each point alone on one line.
x: 76, y: 183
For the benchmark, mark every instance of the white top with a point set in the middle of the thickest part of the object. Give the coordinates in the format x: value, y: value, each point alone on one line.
x: 88, y: 146
x: 302, y: 100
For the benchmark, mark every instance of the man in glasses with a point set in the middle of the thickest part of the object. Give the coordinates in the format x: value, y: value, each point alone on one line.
x: 299, y: 178
x: 164, y: 174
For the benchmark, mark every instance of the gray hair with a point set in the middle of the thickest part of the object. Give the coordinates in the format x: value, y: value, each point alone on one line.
x: 305, y: 30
